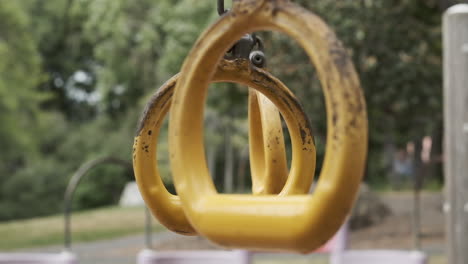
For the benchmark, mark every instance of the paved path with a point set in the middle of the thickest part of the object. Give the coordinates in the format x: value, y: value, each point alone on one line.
x: 125, y: 250
x: 116, y: 251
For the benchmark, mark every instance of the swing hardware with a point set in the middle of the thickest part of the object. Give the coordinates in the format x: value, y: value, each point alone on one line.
x: 221, y: 10
x: 272, y: 221
x: 299, y: 223
x: 244, y: 48
x: 267, y: 147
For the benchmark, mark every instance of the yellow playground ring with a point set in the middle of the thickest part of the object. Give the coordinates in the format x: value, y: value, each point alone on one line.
x: 165, y: 206
x: 299, y: 223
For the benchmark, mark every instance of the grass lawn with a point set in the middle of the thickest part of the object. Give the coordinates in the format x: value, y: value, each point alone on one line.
x: 105, y: 223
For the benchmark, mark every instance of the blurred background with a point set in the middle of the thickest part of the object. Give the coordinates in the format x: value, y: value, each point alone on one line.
x: 75, y: 76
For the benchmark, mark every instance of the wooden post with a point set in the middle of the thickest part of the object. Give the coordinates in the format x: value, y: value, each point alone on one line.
x: 456, y: 131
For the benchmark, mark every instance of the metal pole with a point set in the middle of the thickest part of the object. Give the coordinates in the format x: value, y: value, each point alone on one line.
x: 243, y: 162
x: 418, y: 175
x: 74, y: 182
x: 148, y: 230
x: 212, y: 152
x: 455, y: 44
x: 228, y: 161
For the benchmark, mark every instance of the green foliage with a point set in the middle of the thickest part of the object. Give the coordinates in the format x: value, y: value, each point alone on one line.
x: 75, y: 75
x: 18, y: 100
x: 57, y: 28
x: 396, y: 48
x: 35, y: 190
x: 87, y: 226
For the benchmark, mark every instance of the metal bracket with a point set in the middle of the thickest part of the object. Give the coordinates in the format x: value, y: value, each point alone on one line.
x: 245, y: 49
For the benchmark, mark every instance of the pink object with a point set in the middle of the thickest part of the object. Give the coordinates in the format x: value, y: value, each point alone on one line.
x: 337, y: 243
x: 38, y: 258
x: 339, y: 255
x: 147, y: 256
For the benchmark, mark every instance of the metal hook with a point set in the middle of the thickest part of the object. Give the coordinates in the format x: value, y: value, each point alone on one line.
x: 244, y: 48
x: 221, y: 10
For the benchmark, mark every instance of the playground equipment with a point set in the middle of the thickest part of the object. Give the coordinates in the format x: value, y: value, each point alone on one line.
x: 298, y: 223
x: 279, y: 216
x: 65, y: 257
x: 265, y: 146
x: 243, y: 65
x: 73, y: 184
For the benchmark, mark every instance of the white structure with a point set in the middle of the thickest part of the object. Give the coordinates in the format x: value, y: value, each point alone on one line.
x: 131, y: 196
x: 456, y: 131
x: 38, y: 258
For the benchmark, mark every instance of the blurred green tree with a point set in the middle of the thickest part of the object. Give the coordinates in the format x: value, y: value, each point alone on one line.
x: 82, y: 71
x: 396, y: 48
x: 19, y: 101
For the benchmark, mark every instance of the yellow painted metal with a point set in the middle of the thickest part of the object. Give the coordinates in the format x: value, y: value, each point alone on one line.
x: 165, y: 206
x: 298, y: 223
x: 268, y: 165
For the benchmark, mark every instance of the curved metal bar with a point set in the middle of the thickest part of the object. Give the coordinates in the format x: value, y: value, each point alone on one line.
x: 269, y: 178
x: 296, y: 223
x: 73, y: 183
